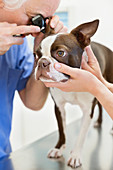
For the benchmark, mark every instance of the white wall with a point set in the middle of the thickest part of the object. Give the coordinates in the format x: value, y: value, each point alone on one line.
x: 29, y: 125
x: 81, y: 11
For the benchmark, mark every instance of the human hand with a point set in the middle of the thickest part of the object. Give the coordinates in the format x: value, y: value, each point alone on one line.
x: 57, y: 25
x: 79, y: 81
x: 92, y: 65
x: 8, y: 30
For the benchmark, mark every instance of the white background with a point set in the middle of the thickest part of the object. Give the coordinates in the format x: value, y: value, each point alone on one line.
x: 27, y: 125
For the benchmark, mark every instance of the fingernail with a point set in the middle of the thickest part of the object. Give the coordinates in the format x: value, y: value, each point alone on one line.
x: 57, y: 66
x: 52, y: 24
x: 87, y: 47
x: 37, y: 29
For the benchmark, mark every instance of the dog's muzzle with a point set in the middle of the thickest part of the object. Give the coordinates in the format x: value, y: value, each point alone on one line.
x: 46, y: 72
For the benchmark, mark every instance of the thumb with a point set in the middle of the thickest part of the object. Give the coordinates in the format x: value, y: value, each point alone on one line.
x: 63, y: 68
x: 91, y: 56
x: 84, y: 65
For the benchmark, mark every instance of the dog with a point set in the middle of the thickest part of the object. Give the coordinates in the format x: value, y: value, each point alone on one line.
x: 68, y: 48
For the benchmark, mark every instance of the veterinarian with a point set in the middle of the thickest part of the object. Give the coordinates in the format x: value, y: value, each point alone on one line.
x: 16, y: 59
x: 88, y: 79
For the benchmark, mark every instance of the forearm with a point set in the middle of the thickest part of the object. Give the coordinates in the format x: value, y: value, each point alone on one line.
x: 104, y: 96
x: 108, y: 85
x: 35, y: 94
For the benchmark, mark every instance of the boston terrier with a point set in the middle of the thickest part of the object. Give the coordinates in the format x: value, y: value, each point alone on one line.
x: 68, y: 48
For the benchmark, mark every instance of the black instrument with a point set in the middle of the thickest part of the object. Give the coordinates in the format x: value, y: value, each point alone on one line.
x: 38, y: 20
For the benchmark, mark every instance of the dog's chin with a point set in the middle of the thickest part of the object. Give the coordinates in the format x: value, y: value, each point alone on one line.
x: 45, y: 79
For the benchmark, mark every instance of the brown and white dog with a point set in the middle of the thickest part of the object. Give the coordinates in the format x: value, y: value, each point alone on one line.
x: 68, y: 49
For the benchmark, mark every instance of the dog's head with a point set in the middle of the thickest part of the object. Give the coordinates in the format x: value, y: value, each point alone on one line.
x: 64, y: 48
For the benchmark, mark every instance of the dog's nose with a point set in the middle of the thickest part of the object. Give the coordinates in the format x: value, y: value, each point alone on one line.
x: 43, y: 63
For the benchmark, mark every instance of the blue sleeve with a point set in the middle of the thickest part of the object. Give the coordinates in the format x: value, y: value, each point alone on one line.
x: 25, y: 63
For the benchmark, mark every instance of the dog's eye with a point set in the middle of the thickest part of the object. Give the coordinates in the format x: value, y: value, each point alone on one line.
x: 60, y: 53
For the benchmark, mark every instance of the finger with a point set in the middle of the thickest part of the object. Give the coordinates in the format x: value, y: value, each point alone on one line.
x: 47, y: 21
x: 60, y: 85
x: 25, y: 30
x: 59, y: 27
x: 4, y: 50
x: 85, y: 66
x: 16, y: 40
x: 90, y: 54
x: 51, y: 84
x: 9, y: 41
x: 64, y: 30
x: 6, y: 24
x: 64, y: 86
x: 13, y: 25
x: 54, y: 21
x: 66, y: 69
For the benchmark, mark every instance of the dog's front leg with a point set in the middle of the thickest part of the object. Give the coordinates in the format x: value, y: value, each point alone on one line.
x: 75, y: 156
x: 60, y: 146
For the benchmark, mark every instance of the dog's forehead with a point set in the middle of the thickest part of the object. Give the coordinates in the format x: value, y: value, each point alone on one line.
x: 47, y: 43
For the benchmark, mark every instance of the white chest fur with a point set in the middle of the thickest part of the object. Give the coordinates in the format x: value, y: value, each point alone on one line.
x: 83, y: 99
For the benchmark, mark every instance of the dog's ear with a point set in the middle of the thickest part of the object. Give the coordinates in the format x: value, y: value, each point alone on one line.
x: 84, y: 32
x: 49, y: 30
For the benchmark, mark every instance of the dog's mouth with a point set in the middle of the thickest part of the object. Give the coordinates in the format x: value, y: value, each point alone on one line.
x: 44, y: 76
x: 46, y: 79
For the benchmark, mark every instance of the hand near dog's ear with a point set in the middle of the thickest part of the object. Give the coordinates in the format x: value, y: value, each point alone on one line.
x: 84, y: 32
x: 54, y: 26
x: 92, y: 66
x: 49, y: 30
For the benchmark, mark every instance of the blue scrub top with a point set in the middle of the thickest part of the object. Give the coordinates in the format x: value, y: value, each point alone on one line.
x: 16, y: 66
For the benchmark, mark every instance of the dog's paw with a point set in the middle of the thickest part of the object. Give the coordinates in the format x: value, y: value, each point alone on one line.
x: 74, y: 162
x: 54, y: 153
